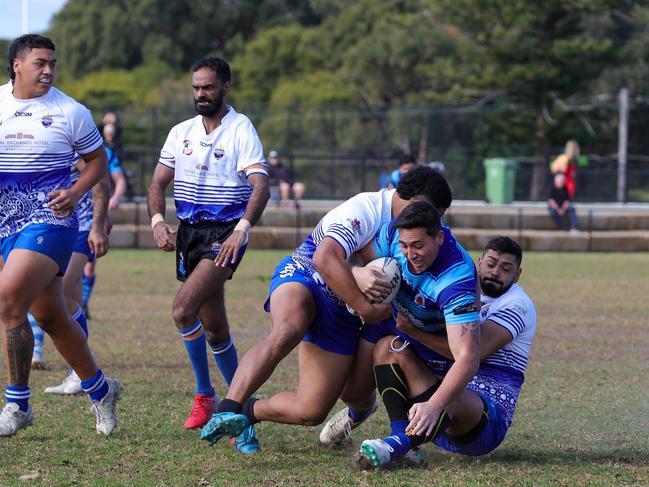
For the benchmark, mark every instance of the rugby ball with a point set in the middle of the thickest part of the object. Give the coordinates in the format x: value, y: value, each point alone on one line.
x: 393, y: 275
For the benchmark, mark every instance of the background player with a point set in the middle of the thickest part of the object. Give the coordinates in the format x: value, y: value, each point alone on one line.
x: 217, y: 163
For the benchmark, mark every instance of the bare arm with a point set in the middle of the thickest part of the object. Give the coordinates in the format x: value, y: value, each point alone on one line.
x: 119, y: 180
x: 332, y: 266
x: 156, y: 204
x: 464, y: 341
x: 229, y: 251
x: 97, y: 239
x: 64, y: 201
x: 493, y: 337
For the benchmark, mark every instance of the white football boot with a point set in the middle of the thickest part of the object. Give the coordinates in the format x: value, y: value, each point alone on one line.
x: 105, y: 408
x: 70, y: 385
x: 13, y: 419
x: 339, y: 427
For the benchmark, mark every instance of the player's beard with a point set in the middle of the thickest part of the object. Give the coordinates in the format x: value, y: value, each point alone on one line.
x: 493, y: 288
x: 213, y: 107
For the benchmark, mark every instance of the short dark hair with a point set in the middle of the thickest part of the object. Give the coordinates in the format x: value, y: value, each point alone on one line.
x: 24, y: 43
x: 420, y: 214
x: 216, y: 64
x: 505, y: 245
x: 425, y: 181
x: 407, y: 159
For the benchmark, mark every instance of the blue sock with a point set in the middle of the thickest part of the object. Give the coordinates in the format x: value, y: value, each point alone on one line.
x: 225, y: 356
x: 88, y: 284
x: 19, y: 395
x: 358, y: 416
x: 197, y: 351
x: 39, y: 336
x: 80, y: 317
x: 96, y: 387
x: 400, y: 444
x: 399, y: 426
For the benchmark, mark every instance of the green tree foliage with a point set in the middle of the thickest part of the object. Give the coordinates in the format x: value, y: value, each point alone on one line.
x: 538, y: 53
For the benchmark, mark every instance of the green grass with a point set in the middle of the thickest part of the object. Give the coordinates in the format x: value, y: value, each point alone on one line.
x: 582, y: 419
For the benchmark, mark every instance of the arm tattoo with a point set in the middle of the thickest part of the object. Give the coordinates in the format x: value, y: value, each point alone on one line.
x: 474, y: 329
x: 100, y: 196
x: 20, y: 345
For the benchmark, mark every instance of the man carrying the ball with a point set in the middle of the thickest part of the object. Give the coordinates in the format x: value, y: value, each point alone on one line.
x: 307, y: 300
x: 475, y: 421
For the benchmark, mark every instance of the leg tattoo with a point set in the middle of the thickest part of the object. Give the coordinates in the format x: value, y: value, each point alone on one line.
x: 20, y: 345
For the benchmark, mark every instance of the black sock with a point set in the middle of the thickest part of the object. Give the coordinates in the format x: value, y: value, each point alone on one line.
x: 229, y: 406
x: 391, y: 383
x: 424, y: 396
x: 248, y: 410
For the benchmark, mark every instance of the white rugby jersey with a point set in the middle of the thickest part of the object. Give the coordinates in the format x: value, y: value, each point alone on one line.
x: 352, y: 224
x: 38, y: 141
x: 515, y: 312
x: 210, y: 170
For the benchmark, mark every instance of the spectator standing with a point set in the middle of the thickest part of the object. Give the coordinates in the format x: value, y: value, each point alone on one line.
x: 566, y: 164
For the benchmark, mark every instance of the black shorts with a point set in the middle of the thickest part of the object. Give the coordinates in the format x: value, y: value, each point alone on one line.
x: 197, y: 241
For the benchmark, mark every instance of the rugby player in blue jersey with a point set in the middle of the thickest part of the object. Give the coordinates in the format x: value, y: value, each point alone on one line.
x: 41, y: 129
x: 217, y: 163
x: 415, y: 362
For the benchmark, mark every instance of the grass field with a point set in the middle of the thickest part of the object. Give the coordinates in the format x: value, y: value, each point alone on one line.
x: 582, y: 419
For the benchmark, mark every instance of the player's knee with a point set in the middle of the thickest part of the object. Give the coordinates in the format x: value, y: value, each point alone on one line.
x: 284, y: 338
x: 312, y: 416
x: 183, y: 316
x: 381, y: 351
x: 11, y: 310
x: 217, y: 337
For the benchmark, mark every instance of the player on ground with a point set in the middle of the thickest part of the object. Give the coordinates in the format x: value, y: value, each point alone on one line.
x: 478, y: 419
x: 307, y: 300
x: 42, y: 128
x: 217, y: 163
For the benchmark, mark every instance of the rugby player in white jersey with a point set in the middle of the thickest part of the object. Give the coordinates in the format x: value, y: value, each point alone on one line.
x: 91, y: 244
x: 478, y: 420
x: 307, y: 300
x: 41, y: 128
x: 217, y: 163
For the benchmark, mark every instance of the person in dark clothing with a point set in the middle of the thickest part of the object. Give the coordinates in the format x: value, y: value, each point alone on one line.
x: 283, y: 178
x: 560, y: 205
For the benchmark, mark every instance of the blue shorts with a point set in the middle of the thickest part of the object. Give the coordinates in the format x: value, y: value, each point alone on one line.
x: 82, y: 246
x: 55, y: 241
x: 334, y: 329
x: 491, y: 436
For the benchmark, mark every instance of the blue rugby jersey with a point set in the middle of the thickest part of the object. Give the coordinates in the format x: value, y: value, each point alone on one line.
x: 445, y: 293
x: 38, y: 140
x: 211, y: 170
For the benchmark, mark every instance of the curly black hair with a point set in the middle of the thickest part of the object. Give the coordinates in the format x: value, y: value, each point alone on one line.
x: 425, y: 181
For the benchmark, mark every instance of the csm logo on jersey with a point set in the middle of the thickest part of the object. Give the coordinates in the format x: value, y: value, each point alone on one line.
x: 22, y: 114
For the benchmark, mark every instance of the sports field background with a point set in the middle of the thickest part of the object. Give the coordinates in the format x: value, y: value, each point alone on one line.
x: 582, y: 419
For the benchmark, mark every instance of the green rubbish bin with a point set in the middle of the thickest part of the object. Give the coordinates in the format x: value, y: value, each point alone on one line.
x: 500, y: 178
